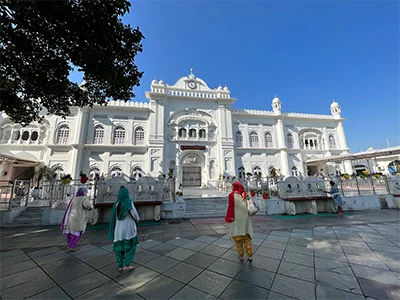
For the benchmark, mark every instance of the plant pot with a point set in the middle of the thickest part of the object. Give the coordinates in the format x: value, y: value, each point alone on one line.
x: 253, y: 194
x: 265, y: 196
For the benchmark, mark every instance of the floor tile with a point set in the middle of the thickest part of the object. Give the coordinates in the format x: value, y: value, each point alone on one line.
x: 102, y: 261
x: 163, y: 248
x: 375, y: 274
x: 256, y: 276
x: 14, y: 260
x: 161, y: 264
x: 161, y: 287
x: 55, y: 293
x: 64, y: 275
x: 137, y: 277
x: 296, y: 271
x: 16, y: 268
x: 242, y: 290
x: 44, y: 252
x: 273, y: 245
x: 148, y: 244
x: 183, y: 272
x: 144, y: 257
x: 329, y: 293
x: 300, y: 259
x: 293, y: 287
x: 211, y: 283
x: 33, y: 286
x: 92, y: 254
x: 374, y: 262
x: 61, y: 264
x: 276, y: 296
x: 200, y: 260
x: 338, y: 281
x: 178, y: 242
x: 379, y: 290
x: 84, y: 283
x: 226, y: 267
x: 206, y: 239
x: 269, y: 252
x: 193, y: 294
x: 9, y: 254
x: 110, y: 290
x: 332, y: 255
x: 194, y: 246
x: 333, y: 266
x: 51, y: 258
x: 300, y: 249
x: 214, y: 250
x: 264, y: 263
x: 21, y: 277
x: 180, y: 254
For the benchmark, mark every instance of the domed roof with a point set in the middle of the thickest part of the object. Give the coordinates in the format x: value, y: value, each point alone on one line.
x: 219, y: 88
x: 226, y: 88
x: 276, y: 100
x: 161, y: 82
x: 334, y: 104
x: 154, y: 81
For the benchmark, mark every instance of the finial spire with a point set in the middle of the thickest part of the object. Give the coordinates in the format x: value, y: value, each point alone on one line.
x: 191, y: 76
x: 191, y: 70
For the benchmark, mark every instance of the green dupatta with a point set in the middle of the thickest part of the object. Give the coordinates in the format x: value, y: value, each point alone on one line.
x: 125, y: 204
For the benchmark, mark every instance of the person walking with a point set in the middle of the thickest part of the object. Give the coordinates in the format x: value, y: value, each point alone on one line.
x: 75, y: 219
x: 336, y: 197
x: 240, y: 225
x: 123, y: 230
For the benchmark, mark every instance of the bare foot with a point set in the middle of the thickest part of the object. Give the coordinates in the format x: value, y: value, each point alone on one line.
x: 241, y: 257
x: 120, y: 269
x: 250, y: 259
x: 128, y: 268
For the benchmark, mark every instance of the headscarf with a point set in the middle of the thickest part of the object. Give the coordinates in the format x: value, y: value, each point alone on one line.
x: 125, y: 205
x: 81, y: 192
x: 239, y: 189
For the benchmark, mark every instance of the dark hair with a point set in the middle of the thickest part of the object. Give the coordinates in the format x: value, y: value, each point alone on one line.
x: 331, y: 182
x: 121, y: 187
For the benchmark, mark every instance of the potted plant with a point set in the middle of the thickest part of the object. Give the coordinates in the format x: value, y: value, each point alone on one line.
x: 265, y: 194
x: 248, y: 174
x: 179, y: 196
x: 43, y: 172
x: 346, y: 176
x: 84, y: 177
x: 273, y: 173
x: 66, y: 179
x: 253, y: 192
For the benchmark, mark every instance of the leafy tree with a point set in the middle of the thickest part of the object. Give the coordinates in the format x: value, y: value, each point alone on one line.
x: 42, y: 41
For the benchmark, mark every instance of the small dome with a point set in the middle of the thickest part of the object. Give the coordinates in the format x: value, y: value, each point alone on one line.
x: 370, y: 149
x: 334, y: 104
x: 226, y: 88
x: 161, y: 82
x: 276, y: 100
x: 219, y: 88
x: 154, y: 81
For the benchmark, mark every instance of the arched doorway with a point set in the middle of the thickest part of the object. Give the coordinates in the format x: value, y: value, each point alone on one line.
x: 192, y: 165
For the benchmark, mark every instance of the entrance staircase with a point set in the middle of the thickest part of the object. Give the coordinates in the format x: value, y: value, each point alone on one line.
x: 206, y: 207
x: 30, y: 217
x: 205, y: 202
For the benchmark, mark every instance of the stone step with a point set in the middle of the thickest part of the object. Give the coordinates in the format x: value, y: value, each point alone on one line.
x: 204, y: 214
x: 24, y: 219
x: 18, y: 225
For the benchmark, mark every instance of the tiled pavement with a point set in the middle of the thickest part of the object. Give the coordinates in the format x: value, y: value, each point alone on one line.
x: 355, y: 257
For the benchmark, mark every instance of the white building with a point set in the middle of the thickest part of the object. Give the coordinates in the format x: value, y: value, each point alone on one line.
x: 186, y: 126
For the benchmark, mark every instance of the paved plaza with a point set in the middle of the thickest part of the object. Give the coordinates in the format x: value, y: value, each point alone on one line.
x: 319, y: 257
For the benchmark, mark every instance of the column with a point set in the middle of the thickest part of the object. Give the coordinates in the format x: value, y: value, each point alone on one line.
x: 342, y: 136
x: 283, y: 150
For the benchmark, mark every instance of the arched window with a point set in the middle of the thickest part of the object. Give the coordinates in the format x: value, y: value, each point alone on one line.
x: 254, y: 140
x: 63, y: 134
x: 295, y: 172
x: 239, y: 139
x: 25, y: 136
x: 58, y: 171
x: 98, y: 135
x: 290, y: 141
x: 34, y: 136
x: 332, y: 142
x: 202, y: 133
x: 93, y: 172
x: 139, y: 136
x: 192, y: 133
x: 16, y: 135
x: 137, y: 173
x: 257, y: 171
x: 116, y: 171
x: 182, y: 132
x: 268, y: 140
x: 119, y: 135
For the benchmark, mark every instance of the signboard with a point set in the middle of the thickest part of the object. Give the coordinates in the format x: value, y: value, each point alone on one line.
x: 193, y: 148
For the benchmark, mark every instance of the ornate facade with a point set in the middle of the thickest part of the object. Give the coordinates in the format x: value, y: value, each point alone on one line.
x: 187, y: 127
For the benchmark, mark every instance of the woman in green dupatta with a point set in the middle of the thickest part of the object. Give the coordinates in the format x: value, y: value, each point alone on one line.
x: 123, y: 230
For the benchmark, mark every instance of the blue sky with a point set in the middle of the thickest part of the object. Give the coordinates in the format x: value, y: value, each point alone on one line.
x: 305, y: 52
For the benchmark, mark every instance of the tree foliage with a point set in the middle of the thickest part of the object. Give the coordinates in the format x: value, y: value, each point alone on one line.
x: 41, y: 41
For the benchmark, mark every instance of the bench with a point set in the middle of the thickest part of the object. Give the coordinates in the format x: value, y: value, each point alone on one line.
x: 147, y: 210
x: 311, y: 205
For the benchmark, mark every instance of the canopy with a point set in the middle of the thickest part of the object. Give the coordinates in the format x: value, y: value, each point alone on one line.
x: 359, y: 155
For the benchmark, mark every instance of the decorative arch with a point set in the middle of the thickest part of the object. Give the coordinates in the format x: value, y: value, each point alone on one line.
x: 137, y: 172
x: 192, y: 158
x: 310, y: 138
x: 332, y: 141
x: 119, y: 134
x: 62, y: 133
x: 253, y: 139
x: 290, y: 141
x: 58, y: 170
x: 268, y: 140
x: 98, y: 134
x: 239, y: 139
x: 115, y: 171
x: 94, y: 172
x: 138, y: 136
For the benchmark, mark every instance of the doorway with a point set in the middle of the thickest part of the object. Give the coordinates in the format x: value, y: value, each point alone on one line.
x: 191, y: 176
